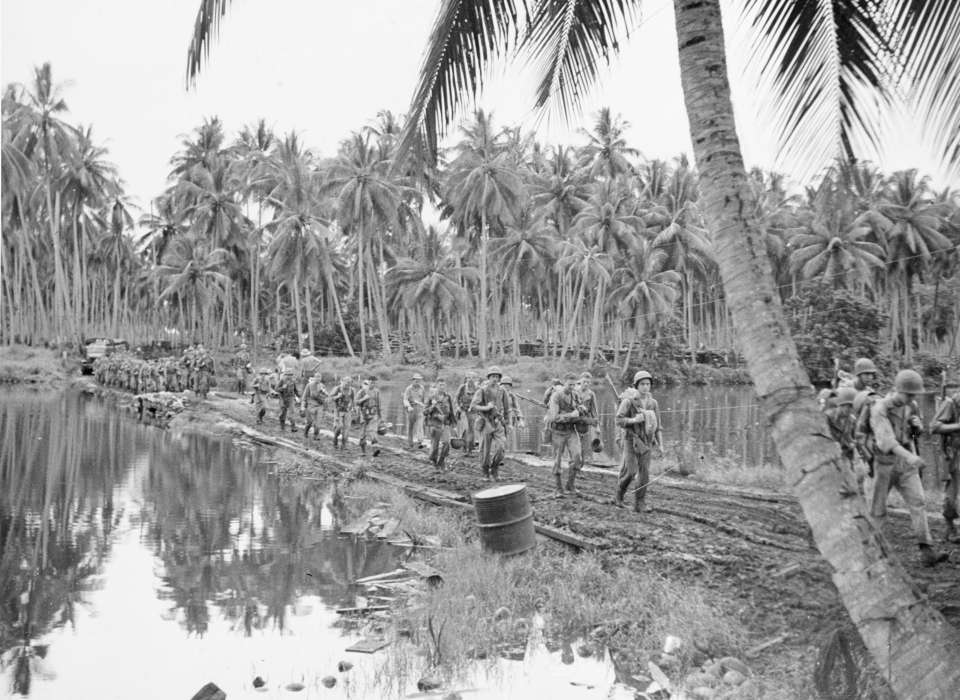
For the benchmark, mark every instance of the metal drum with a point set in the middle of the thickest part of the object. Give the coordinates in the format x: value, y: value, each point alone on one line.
x: 505, y: 519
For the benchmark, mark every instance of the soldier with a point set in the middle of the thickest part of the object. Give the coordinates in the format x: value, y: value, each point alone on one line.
x: 343, y: 400
x: 639, y: 417
x: 863, y: 439
x: 413, y: 402
x: 896, y: 422
x: 555, y: 385
x: 514, y: 422
x: 368, y: 401
x: 841, y: 421
x: 563, y: 413
x: 261, y: 387
x: 287, y: 391
x: 490, y: 403
x: 311, y: 405
x: 241, y: 365
x: 866, y: 373
x: 465, y: 394
x: 440, y: 417
x: 946, y: 424
x: 587, y: 427
x: 309, y: 365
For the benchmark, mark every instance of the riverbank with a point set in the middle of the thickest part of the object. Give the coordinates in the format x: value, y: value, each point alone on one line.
x: 22, y: 364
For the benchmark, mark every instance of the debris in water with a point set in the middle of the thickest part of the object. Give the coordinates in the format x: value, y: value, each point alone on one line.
x: 328, y: 681
x: 427, y: 684
x: 368, y: 646
x: 258, y: 682
x: 344, y: 666
x: 295, y: 687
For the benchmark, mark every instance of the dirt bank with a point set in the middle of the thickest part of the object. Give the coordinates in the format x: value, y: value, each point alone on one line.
x: 20, y: 364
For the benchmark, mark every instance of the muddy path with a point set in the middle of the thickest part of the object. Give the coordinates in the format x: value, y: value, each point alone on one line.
x: 751, y: 547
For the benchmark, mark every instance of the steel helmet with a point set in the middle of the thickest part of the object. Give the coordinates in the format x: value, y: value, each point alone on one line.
x: 845, y: 395
x: 864, y: 365
x: 862, y: 397
x: 306, y: 352
x: 417, y: 376
x: 908, y: 381
x: 494, y: 371
x: 642, y: 374
x: 507, y: 380
x: 586, y: 375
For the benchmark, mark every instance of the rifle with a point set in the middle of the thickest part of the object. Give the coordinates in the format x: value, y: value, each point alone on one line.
x: 612, y: 386
x: 527, y: 398
x: 937, y: 403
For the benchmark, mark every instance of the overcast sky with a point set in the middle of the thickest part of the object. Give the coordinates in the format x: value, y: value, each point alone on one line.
x: 324, y: 68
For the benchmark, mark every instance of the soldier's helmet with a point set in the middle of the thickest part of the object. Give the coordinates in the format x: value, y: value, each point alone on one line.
x: 845, y: 396
x: 862, y: 397
x: 508, y: 380
x: 306, y: 352
x: 569, y: 377
x: 417, y: 377
x: 641, y: 374
x: 864, y: 365
x: 908, y: 381
x: 264, y: 370
x: 586, y: 375
x: 494, y: 371
x: 243, y: 346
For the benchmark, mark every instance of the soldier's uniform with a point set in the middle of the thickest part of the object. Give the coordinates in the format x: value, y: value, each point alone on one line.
x: 491, y: 406
x: 465, y: 394
x: 343, y: 400
x: 368, y: 402
x: 514, y: 422
x: 413, y: 402
x: 287, y: 391
x: 261, y: 387
x: 638, y: 415
x: 947, y: 424
x: 311, y: 403
x: 841, y: 421
x: 564, y: 412
x: 440, y: 417
x: 309, y: 365
x: 204, y: 372
x: 587, y: 426
x: 241, y: 365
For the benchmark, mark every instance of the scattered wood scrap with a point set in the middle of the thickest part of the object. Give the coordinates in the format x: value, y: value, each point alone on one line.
x: 366, y: 610
x: 368, y: 646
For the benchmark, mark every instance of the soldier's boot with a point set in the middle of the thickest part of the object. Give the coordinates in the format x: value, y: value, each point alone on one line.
x: 441, y: 461
x: 363, y: 446
x: 621, y: 492
x: 336, y: 434
x: 293, y: 428
x: 639, y: 501
x: 376, y: 450
x: 282, y: 425
x: 260, y: 414
x: 559, y: 485
x: 571, y: 482
x: 951, y: 535
x: 931, y: 557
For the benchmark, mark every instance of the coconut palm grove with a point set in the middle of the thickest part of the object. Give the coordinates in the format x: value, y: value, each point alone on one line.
x: 586, y: 422
x: 505, y: 244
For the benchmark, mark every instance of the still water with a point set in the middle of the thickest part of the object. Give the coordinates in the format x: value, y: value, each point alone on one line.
x: 139, y: 563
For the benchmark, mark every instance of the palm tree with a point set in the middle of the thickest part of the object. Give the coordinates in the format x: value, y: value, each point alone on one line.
x: 586, y: 264
x: 192, y: 272
x: 606, y: 154
x: 824, y: 87
x: 608, y: 220
x: 121, y: 246
x: 484, y: 190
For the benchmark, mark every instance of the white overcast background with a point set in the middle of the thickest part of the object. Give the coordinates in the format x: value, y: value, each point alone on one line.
x: 324, y: 68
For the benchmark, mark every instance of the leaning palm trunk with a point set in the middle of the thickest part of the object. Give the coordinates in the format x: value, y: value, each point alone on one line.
x: 914, y: 646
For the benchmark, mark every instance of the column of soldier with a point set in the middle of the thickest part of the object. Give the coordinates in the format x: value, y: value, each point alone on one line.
x: 878, y: 437
x: 194, y: 370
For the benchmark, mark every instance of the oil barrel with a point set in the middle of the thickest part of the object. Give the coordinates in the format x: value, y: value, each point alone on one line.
x: 505, y: 519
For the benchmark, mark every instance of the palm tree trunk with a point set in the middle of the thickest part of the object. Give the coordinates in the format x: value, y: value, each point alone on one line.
x: 911, y: 641
x: 568, y: 336
x: 360, y: 311
x: 380, y: 306
x: 295, y: 294
x: 516, y: 311
x: 336, y: 305
x: 482, y: 306
x: 309, y: 305
x: 595, y: 331
x: 115, y: 324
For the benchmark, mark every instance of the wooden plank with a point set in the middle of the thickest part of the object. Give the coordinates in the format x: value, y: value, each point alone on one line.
x: 423, y: 569
x: 368, y: 646
x: 586, y: 543
x: 363, y: 611
x: 381, y: 577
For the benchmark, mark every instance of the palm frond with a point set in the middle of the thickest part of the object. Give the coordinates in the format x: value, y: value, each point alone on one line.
x: 206, y: 28
x: 568, y: 39
x: 466, y: 36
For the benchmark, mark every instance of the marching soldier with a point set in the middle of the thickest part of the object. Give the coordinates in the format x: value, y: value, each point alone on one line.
x: 287, y: 391
x: 587, y: 427
x: 309, y: 365
x: 563, y: 413
x: 490, y: 403
x: 863, y: 439
x: 311, y: 405
x: 465, y: 393
x: 413, y: 402
x: 555, y: 385
x: 514, y: 423
x: 639, y: 417
x: 841, y: 421
x: 440, y: 417
x: 241, y: 365
x: 343, y: 400
x: 896, y: 422
x: 866, y: 373
x: 261, y: 387
x: 946, y: 424
x: 368, y: 401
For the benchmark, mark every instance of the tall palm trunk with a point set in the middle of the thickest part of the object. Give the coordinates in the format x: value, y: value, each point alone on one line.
x: 568, y: 336
x: 361, y: 315
x: 913, y: 644
x: 516, y: 310
x: 294, y: 290
x: 595, y: 330
x: 482, y: 306
x: 336, y: 306
x: 61, y: 305
x: 307, y: 302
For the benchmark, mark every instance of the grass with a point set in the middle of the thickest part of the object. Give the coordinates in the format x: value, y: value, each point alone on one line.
x: 702, y: 463
x: 488, y: 604
x: 31, y: 365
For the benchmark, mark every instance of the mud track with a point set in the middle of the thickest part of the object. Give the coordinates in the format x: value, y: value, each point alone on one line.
x: 752, y: 547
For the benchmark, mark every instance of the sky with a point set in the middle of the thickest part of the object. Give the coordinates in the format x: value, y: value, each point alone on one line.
x: 324, y: 68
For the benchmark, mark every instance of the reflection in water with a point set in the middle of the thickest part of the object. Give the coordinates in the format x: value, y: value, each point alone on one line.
x: 90, y: 500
